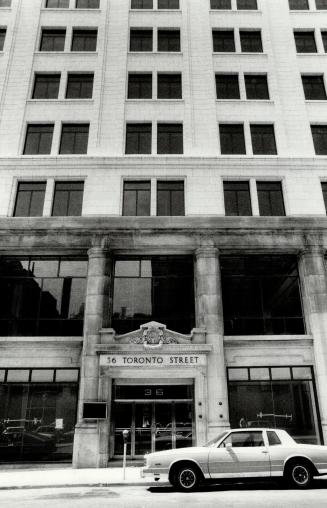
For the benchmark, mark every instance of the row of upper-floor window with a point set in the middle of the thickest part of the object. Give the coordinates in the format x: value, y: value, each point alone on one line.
x: 305, y: 5
x: 62, y: 4
x: 146, y: 197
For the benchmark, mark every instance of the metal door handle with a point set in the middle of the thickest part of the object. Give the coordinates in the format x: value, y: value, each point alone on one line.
x: 264, y: 451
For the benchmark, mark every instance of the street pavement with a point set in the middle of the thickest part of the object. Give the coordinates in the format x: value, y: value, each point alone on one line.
x: 224, y: 496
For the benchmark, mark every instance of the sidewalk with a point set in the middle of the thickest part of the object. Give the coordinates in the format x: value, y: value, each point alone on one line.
x: 67, y: 476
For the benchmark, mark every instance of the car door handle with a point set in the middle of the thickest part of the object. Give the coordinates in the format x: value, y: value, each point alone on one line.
x: 264, y: 451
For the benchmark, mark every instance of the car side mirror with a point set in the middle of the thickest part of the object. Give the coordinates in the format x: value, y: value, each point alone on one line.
x: 229, y: 446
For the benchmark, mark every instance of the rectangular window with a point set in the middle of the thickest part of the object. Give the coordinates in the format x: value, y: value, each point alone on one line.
x: 237, y: 198
x: 305, y: 42
x: 263, y: 140
x: 87, y: 4
x: 158, y: 288
x: 137, y: 198
x: 169, y: 40
x: 223, y: 41
x: 140, y: 40
x: 139, y: 86
x: 227, y: 86
x: 324, y: 193
x: 170, y: 138
x: 261, y: 295
x: 84, y: 40
x: 2, y: 37
x: 232, y: 139
x: 256, y: 87
x: 5, y: 3
x: 170, y: 198
x: 321, y: 4
x: 57, y: 4
x: 169, y: 86
x: 168, y: 4
x: 270, y: 197
x: 298, y: 5
x: 142, y: 4
x: 324, y: 40
x: 79, y: 86
x: 251, y: 41
x: 138, y: 138
x: 38, y: 139
x: 42, y: 296
x: 68, y: 199
x: 74, y: 138
x: 247, y: 5
x: 46, y: 86
x: 314, y: 88
x: 52, y: 39
x: 221, y: 4
x: 319, y: 135
x: 29, y: 199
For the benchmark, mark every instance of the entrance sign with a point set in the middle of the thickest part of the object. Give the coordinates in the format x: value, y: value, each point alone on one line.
x: 151, y: 360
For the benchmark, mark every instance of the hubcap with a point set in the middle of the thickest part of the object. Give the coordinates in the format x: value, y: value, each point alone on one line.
x: 300, y: 475
x: 187, y: 478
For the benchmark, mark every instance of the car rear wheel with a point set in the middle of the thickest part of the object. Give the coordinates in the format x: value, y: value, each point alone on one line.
x: 186, y: 478
x: 299, y: 475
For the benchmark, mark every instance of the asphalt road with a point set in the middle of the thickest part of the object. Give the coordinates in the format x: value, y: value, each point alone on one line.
x: 224, y: 496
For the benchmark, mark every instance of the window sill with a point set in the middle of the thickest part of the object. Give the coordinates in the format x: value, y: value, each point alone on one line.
x: 65, y: 9
x: 316, y: 101
x: 155, y: 10
x: 247, y: 101
x: 154, y: 101
x: 235, y: 11
x: 240, y: 53
x: 65, y: 53
x: 154, y: 53
x: 58, y: 101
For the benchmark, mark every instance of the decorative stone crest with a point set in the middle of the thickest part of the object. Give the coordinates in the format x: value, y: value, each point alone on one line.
x: 153, y: 335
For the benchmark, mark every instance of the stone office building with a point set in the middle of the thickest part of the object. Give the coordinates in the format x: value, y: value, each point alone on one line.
x: 163, y: 225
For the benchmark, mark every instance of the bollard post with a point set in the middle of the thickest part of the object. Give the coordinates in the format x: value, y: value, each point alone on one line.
x: 125, y: 437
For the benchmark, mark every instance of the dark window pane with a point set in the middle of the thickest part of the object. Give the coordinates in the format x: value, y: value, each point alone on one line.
x: 84, y: 40
x: 169, y: 40
x: 324, y: 40
x: 29, y: 199
x: 52, y: 40
x: 57, y: 4
x: 87, y: 4
x: 2, y: 37
x: 256, y: 87
x: 5, y: 3
x: 136, y: 198
x: 227, y: 86
x: 220, y: 4
x: 247, y: 4
x: 223, y: 41
x: 139, y: 86
x: 324, y: 193
x: 46, y: 86
x: 168, y: 4
x: 319, y: 135
x: 74, y: 139
x: 270, y: 197
x: 170, y: 138
x: 237, y: 198
x: 251, y: 41
x: 263, y: 140
x: 169, y: 86
x: 305, y: 42
x: 140, y: 40
x: 314, y: 87
x: 170, y: 198
x: 297, y: 5
x: 38, y: 139
x: 321, y: 4
x: 142, y: 4
x: 79, y: 86
x: 232, y: 139
x: 138, y: 138
x: 68, y: 198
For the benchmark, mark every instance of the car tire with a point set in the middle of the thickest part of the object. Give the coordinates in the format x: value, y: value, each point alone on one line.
x: 186, y: 478
x: 299, y: 475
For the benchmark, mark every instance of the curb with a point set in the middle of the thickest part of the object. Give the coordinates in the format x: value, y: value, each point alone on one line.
x: 72, y: 485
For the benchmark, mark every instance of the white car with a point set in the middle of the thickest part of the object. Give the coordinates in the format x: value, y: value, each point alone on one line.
x: 240, y: 453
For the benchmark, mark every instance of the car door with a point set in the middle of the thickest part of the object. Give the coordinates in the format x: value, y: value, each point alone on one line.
x: 241, y: 454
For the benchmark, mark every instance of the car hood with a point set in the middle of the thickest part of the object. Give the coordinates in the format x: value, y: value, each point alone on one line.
x: 179, y: 451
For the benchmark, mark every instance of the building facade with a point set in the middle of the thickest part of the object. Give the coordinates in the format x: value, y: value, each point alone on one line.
x: 163, y: 225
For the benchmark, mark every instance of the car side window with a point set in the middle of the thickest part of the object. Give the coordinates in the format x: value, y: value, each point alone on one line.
x: 273, y: 439
x: 244, y: 439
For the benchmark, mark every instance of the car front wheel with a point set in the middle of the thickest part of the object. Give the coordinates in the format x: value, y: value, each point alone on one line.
x: 186, y: 478
x: 299, y: 475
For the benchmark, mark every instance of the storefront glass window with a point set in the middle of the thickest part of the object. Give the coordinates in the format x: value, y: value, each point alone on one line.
x: 37, y: 419
x: 287, y: 403
x: 158, y: 288
x: 41, y: 296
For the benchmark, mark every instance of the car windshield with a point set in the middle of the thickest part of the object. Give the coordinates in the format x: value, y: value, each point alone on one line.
x: 215, y: 440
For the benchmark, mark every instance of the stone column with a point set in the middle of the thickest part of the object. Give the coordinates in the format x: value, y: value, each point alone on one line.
x: 314, y: 290
x: 87, y: 435
x: 209, y: 314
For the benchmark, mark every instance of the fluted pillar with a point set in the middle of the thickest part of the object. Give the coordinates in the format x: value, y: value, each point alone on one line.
x: 314, y: 290
x: 209, y: 314
x: 87, y: 441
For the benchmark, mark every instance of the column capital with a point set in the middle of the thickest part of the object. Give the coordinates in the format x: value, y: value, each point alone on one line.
x: 312, y: 250
x: 98, y: 252
x: 207, y: 252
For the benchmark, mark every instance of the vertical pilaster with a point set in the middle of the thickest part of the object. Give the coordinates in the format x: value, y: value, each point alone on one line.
x: 209, y: 314
x: 314, y: 289
x: 87, y: 435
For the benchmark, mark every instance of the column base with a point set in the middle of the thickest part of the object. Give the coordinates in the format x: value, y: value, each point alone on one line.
x: 86, y: 446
